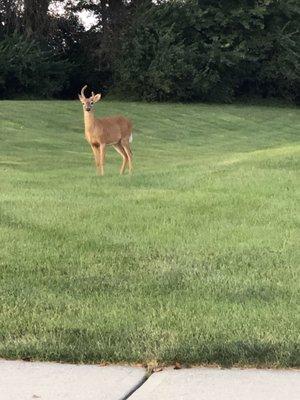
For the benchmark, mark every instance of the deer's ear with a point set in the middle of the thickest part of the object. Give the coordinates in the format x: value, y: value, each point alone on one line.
x: 96, y: 98
x: 80, y: 97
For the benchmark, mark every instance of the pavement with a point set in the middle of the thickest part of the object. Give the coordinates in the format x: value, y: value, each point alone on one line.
x: 220, y: 384
x: 21, y: 380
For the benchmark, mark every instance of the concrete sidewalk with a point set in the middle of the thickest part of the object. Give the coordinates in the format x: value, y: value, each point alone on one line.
x: 220, y: 384
x: 50, y: 381
x: 21, y: 380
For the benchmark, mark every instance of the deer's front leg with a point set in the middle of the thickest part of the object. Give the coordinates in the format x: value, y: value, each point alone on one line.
x: 95, y: 150
x: 102, y: 158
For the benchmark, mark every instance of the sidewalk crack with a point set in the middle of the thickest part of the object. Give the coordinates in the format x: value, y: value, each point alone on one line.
x: 136, y: 387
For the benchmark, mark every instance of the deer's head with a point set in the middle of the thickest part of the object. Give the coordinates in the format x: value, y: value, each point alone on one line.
x: 89, y: 102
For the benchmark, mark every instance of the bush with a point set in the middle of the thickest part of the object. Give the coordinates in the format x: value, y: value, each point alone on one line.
x: 27, y: 69
x: 211, y: 50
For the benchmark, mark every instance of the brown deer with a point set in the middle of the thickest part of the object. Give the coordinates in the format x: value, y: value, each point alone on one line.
x: 100, y: 132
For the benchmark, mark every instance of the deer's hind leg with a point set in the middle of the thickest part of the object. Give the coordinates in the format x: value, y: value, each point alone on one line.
x: 119, y: 148
x: 126, y: 147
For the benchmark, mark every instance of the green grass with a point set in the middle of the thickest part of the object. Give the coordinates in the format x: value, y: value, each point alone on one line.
x: 192, y: 259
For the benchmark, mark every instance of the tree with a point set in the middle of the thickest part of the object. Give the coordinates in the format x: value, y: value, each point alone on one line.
x: 211, y: 50
x: 187, y: 50
x: 35, y: 17
x: 10, y: 16
x: 27, y: 69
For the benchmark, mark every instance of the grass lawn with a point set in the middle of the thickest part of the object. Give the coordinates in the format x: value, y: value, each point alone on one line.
x: 192, y: 259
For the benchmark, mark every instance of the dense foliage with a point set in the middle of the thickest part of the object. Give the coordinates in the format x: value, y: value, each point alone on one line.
x: 211, y: 50
x: 26, y: 68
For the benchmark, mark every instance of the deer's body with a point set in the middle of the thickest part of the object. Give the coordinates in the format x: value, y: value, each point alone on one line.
x: 108, y: 130
x: 100, y: 132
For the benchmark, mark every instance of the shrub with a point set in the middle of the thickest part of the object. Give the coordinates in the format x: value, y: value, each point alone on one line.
x: 25, y: 68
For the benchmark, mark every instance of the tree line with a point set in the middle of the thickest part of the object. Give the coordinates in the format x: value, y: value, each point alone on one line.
x: 168, y: 50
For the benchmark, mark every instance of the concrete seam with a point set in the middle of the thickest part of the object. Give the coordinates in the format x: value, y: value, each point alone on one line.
x: 136, y: 387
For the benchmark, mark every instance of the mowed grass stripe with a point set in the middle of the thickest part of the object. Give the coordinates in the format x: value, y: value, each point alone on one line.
x: 192, y: 259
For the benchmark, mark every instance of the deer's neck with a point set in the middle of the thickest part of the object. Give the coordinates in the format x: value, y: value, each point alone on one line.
x: 89, y: 121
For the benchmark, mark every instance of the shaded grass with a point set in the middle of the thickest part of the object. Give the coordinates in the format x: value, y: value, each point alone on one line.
x: 192, y: 259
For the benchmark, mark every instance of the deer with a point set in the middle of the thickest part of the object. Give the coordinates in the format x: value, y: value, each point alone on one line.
x: 113, y: 131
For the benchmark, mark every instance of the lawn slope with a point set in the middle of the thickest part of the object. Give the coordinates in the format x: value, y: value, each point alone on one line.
x: 192, y: 259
